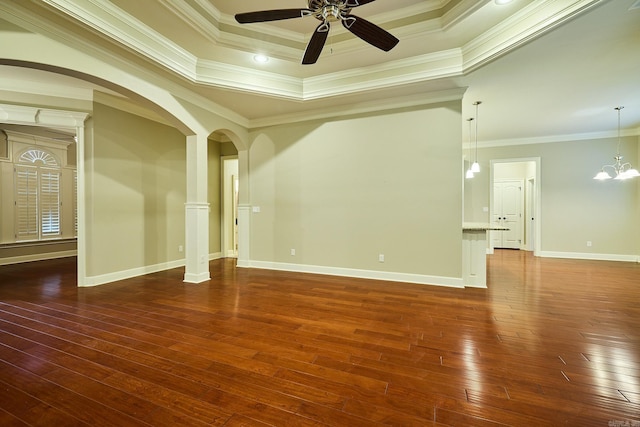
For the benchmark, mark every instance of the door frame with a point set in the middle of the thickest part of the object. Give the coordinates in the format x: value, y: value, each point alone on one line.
x: 229, y: 209
x: 537, y: 227
x: 530, y: 214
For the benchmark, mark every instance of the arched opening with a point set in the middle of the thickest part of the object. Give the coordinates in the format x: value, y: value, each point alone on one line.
x: 62, y: 118
x: 224, y: 189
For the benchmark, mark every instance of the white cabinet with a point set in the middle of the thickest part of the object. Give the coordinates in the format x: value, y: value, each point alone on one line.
x: 474, y: 252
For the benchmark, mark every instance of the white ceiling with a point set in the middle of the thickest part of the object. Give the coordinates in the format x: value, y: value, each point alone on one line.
x: 543, y: 69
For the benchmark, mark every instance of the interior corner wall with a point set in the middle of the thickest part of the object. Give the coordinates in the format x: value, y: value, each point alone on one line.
x: 135, y: 194
x: 342, y: 192
x: 575, y: 208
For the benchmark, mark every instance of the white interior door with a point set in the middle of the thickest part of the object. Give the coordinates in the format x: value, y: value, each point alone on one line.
x: 507, y: 211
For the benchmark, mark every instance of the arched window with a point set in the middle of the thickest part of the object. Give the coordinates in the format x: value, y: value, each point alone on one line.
x: 37, y: 195
x: 37, y: 156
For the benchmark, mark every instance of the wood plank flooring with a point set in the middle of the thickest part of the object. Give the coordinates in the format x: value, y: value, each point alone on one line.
x: 551, y: 342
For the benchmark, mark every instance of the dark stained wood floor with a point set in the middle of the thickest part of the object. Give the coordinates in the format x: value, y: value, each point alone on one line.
x: 551, y: 342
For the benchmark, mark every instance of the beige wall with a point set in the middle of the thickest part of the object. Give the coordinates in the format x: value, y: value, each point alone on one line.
x: 574, y: 207
x: 342, y: 192
x: 135, y: 185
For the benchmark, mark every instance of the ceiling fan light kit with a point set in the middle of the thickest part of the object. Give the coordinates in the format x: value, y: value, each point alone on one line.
x: 327, y: 11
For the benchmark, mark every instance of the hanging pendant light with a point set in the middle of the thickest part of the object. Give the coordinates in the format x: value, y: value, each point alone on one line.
x: 475, y: 167
x: 621, y: 170
x: 469, y: 173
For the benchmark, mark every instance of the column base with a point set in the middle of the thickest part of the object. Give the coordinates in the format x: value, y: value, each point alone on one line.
x: 197, y: 278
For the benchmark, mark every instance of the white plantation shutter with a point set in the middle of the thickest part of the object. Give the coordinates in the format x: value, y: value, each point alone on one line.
x: 37, y: 196
x: 26, y: 200
x: 50, y: 203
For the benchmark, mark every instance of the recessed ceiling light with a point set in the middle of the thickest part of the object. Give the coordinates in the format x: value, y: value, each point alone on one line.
x: 260, y: 58
x: 503, y: 1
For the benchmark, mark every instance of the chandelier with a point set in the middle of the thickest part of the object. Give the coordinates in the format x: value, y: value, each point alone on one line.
x: 621, y: 170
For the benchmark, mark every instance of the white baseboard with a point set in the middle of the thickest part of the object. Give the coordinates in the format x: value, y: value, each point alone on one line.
x: 216, y: 255
x: 37, y: 257
x: 243, y: 264
x: 589, y: 256
x: 134, y: 272
x: 362, y: 274
x: 141, y: 271
x: 197, y: 278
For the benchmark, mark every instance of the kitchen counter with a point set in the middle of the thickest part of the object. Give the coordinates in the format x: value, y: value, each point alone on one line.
x: 482, y: 226
x: 474, y: 252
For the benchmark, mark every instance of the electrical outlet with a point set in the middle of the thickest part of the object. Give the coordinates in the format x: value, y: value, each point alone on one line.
x: 293, y: 252
x: 381, y: 258
x: 588, y: 243
x: 180, y: 248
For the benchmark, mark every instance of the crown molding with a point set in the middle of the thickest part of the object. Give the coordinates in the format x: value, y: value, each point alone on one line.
x: 223, y: 75
x: 115, y: 25
x: 35, y: 24
x: 411, y: 101
x: 380, y: 76
x: 37, y: 140
x: 528, y: 23
x: 385, y: 75
x: 107, y: 19
x: 34, y: 116
x: 558, y: 138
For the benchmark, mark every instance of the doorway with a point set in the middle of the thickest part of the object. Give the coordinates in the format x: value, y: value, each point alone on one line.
x: 229, y: 192
x: 514, y: 202
x: 59, y: 136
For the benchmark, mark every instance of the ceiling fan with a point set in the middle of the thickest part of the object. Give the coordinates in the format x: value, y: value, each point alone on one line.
x: 327, y: 11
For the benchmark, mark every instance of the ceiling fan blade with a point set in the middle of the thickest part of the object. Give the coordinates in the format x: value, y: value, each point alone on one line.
x: 314, y: 48
x: 370, y: 33
x: 356, y: 3
x: 271, y: 15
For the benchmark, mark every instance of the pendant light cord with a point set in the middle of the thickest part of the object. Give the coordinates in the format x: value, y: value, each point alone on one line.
x: 618, y: 109
x: 476, y: 104
x: 470, y: 119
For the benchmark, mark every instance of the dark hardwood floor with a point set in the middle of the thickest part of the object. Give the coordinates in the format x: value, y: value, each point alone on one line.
x: 551, y: 342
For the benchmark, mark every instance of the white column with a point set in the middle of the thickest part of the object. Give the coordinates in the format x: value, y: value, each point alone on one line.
x: 81, y: 195
x: 244, y: 219
x: 197, y: 211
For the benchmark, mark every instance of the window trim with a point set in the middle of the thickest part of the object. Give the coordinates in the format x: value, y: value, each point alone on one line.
x: 45, y: 165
